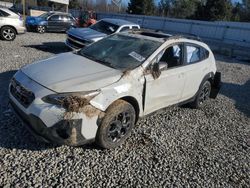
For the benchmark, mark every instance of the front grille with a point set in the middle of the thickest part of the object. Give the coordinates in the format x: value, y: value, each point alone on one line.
x: 74, y: 44
x: 85, y: 42
x: 22, y: 95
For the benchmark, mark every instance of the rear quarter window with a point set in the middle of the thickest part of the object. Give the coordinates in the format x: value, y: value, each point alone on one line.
x: 3, y: 13
x: 195, y: 53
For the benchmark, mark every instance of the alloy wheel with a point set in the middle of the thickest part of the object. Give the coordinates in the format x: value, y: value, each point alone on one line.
x: 119, y: 127
x: 8, y: 34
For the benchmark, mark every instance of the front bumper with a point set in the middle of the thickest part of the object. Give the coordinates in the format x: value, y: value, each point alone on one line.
x: 49, y: 122
x: 73, y: 44
x: 65, y: 132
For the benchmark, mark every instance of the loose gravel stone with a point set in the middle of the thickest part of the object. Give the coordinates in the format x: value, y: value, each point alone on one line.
x: 174, y: 147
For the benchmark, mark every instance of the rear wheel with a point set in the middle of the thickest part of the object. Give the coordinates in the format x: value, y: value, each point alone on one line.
x: 202, y: 95
x: 117, y: 125
x: 8, y: 33
x: 41, y: 29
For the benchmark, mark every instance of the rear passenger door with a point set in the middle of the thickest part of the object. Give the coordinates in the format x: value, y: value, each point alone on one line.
x: 67, y: 22
x: 55, y: 23
x: 197, y: 66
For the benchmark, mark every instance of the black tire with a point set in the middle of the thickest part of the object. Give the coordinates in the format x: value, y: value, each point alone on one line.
x: 202, y: 95
x: 117, y: 125
x: 8, y: 33
x: 41, y: 29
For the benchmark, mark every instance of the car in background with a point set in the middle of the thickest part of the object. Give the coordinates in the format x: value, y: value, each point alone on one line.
x: 51, y: 21
x: 86, y: 19
x: 77, y: 38
x: 99, y: 93
x: 11, y: 24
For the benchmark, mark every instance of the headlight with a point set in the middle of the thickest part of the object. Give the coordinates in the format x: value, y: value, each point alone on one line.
x: 58, y: 99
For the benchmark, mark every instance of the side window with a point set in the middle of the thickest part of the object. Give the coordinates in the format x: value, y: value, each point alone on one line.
x: 64, y: 18
x: 135, y: 27
x: 173, y: 56
x: 124, y: 29
x: 193, y: 54
x: 204, y: 53
x: 70, y: 18
x: 54, y: 18
x: 3, y: 13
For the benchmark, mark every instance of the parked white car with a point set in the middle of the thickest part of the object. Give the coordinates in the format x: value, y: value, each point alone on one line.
x: 11, y: 24
x: 98, y: 93
x: 78, y: 38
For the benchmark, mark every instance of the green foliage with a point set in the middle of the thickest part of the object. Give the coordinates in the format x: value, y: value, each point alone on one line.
x: 42, y: 3
x: 145, y: 7
x: 74, y: 4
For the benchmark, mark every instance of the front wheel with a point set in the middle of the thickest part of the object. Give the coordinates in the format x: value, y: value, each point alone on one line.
x: 202, y: 96
x: 8, y: 33
x: 41, y: 29
x: 117, y: 125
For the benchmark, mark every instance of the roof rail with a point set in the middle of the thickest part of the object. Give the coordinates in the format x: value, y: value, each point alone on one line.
x: 187, y: 36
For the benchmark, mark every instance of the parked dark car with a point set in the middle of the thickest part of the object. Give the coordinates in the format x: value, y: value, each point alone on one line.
x: 51, y: 21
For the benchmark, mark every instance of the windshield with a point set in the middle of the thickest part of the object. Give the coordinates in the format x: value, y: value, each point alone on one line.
x: 120, y: 52
x: 105, y: 27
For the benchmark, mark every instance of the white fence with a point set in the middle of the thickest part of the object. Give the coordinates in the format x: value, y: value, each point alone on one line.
x: 234, y: 35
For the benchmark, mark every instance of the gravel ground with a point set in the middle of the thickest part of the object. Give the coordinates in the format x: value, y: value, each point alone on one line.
x: 175, y: 147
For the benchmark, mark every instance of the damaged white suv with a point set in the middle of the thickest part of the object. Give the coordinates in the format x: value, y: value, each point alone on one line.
x: 98, y: 93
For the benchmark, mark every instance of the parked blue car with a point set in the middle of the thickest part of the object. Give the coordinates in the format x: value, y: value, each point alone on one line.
x: 51, y: 21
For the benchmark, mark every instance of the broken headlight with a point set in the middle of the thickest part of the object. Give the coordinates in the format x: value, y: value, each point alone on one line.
x: 58, y: 99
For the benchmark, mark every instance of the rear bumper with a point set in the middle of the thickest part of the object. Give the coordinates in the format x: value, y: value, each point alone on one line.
x: 21, y: 30
x: 216, y: 85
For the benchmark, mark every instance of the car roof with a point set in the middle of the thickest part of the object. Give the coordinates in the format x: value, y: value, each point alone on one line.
x: 118, y: 22
x: 160, y: 36
x: 59, y: 13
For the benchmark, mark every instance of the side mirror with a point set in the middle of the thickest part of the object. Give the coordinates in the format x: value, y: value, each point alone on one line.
x: 156, y: 72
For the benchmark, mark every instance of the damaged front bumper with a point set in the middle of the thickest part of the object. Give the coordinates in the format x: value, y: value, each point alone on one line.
x: 64, y: 132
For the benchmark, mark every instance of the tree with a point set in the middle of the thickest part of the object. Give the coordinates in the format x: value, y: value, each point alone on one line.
x: 74, y: 4
x: 145, y: 7
x: 218, y: 10
x: 165, y: 7
x: 184, y: 8
x: 245, y: 16
x: 42, y: 3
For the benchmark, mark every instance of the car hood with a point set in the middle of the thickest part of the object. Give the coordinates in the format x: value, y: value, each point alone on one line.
x: 69, y: 72
x: 86, y: 33
x: 31, y: 19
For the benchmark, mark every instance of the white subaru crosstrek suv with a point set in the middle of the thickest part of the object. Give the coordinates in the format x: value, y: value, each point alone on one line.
x: 98, y: 93
x: 11, y: 24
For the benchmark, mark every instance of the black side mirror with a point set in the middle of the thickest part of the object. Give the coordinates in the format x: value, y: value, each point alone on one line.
x: 156, y: 72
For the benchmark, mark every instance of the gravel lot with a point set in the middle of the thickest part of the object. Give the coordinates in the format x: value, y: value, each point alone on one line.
x: 175, y: 147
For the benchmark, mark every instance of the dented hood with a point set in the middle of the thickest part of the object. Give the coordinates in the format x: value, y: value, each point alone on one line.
x: 69, y: 72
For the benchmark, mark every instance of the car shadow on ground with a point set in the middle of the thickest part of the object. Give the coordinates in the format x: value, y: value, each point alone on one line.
x: 240, y: 94
x: 51, y: 47
x: 13, y: 134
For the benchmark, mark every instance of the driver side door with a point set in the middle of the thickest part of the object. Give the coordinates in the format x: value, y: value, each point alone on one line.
x: 167, y: 89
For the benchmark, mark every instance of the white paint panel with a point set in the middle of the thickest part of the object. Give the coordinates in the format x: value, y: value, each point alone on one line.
x: 66, y: 2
